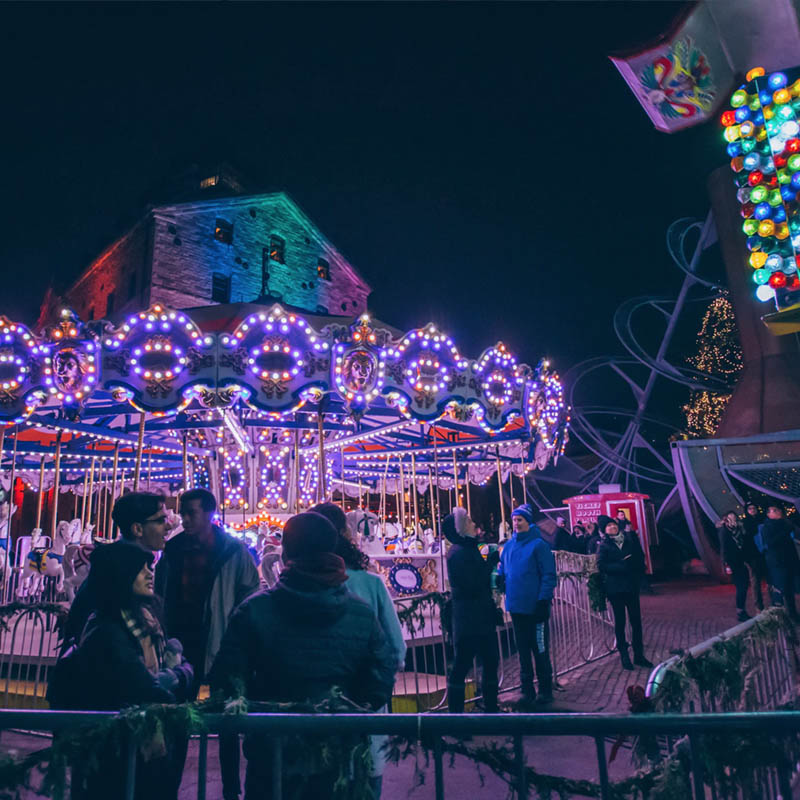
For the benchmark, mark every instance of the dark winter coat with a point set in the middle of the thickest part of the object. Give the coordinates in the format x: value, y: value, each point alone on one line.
x: 780, y: 552
x: 563, y: 540
x: 295, y: 642
x: 474, y: 609
x: 234, y: 578
x: 734, y: 547
x: 622, y: 569
x: 592, y: 543
x: 112, y: 669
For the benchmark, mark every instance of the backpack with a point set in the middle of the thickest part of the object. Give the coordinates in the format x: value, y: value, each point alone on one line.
x: 67, y: 679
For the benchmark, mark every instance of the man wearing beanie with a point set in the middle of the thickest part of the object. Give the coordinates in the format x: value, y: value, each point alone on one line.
x: 528, y: 572
x: 474, y: 611
x: 298, y: 641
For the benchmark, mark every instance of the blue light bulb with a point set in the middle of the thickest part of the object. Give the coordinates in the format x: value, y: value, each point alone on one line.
x: 776, y: 81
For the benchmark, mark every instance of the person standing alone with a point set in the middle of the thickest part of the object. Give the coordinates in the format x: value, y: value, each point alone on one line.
x: 527, y: 572
x: 620, y: 560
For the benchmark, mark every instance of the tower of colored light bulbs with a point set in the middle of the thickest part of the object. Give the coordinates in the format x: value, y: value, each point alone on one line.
x: 762, y: 129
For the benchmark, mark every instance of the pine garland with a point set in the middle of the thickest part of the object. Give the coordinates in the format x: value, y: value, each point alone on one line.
x: 10, y: 610
x: 149, y: 726
x: 413, y: 614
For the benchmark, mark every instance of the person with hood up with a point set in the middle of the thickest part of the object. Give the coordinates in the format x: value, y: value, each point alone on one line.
x: 777, y: 539
x: 474, y: 611
x: 121, y: 660
x: 620, y: 560
x: 298, y: 641
x: 370, y: 588
x: 527, y: 574
x: 563, y: 538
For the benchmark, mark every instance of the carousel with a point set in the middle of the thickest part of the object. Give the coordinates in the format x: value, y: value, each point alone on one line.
x: 271, y: 410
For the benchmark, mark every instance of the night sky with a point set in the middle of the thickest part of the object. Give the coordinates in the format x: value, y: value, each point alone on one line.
x: 483, y: 165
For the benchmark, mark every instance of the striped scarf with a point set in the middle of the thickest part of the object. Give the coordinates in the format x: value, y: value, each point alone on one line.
x: 147, y: 631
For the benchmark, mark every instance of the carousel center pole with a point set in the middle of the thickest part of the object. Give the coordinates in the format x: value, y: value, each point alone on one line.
x: 56, y: 483
x: 11, y: 485
x: 500, y: 491
x: 41, y: 497
x: 109, y: 524
x: 341, y: 467
x: 139, y: 447
x: 321, y: 436
x: 296, y: 472
x: 417, y: 526
x: 455, y: 478
x: 91, y: 491
x: 438, y: 507
x: 522, y: 478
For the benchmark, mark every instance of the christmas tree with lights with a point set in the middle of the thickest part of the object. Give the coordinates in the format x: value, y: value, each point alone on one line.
x: 719, y: 355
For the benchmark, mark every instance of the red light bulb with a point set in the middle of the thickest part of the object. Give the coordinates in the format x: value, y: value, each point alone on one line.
x: 780, y: 162
x: 777, y: 280
x: 755, y: 177
x: 748, y: 209
x: 793, y: 146
x: 793, y: 283
x: 729, y: 118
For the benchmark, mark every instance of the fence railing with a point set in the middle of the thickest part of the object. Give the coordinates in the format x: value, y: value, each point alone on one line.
x: 432, y: 727
x: 767, y: 665
x: 578, y: 636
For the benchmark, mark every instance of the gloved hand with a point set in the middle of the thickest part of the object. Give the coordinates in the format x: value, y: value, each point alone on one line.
x: 493, y: 559
x: 173, y: 653
x: 541, y: 612
x: 177, y: 678
x: 167, y: 679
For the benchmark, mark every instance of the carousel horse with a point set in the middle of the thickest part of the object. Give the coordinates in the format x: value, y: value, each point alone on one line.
x: 76, y: 558
x: 393, y: 538
x: 41, y: 562
x: 269, y: 548
x: 174, y: 524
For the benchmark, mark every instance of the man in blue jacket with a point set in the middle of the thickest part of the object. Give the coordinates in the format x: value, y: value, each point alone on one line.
x: 528, y: 572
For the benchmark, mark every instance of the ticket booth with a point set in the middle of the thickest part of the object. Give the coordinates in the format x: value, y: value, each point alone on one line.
x: 638, y: 508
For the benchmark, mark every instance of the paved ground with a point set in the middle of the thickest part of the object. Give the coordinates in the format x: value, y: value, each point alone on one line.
x: 677, y: 616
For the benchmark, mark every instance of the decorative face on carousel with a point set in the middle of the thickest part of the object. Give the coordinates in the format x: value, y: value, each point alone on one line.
x: 359, y: 371
x: 68, y: 369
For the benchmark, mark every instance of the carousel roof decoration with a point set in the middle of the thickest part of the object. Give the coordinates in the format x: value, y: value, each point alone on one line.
x: 233, y: 409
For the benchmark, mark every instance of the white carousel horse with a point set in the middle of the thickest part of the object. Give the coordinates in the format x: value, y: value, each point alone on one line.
x: 41, y: 563
x: 174, y: 524
x: 76, y: 558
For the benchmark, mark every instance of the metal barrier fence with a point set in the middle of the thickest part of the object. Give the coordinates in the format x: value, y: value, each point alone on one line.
x: 432, y: 727
x: 578, y: 636
x: 769, y: 668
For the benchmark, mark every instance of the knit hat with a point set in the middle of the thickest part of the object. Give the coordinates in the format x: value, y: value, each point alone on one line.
x: 309, y: 547
x: 602, y: 521
x: 454, y: 526
x: 114, y: 568
x: 525, y: 511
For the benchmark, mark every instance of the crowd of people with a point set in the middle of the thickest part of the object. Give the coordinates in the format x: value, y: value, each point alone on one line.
x: 757, y: 550
x: 139, y: 633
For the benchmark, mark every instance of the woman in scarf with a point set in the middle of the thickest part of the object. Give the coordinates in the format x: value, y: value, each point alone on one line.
x: 738, y: 551
x: 123, y: 660
x: 620, y: 560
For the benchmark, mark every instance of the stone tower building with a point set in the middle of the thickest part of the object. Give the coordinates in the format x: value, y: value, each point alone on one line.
x: 216, y: 250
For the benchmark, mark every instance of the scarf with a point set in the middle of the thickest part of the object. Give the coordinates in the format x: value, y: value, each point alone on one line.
x: 737, y: 534
x: 146, y: 629
x: 324, y: 569
x: 619, y: 539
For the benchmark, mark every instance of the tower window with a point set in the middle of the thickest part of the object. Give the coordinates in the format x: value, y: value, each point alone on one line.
x: 207, y: 183
x: 323, y: 269
x: 223, y: 231
x: 110, y: 304
x: 277, y: 249
x: 220, y: 288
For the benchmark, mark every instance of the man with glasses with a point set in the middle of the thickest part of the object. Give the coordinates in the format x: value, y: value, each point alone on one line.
x: 142, y: 520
